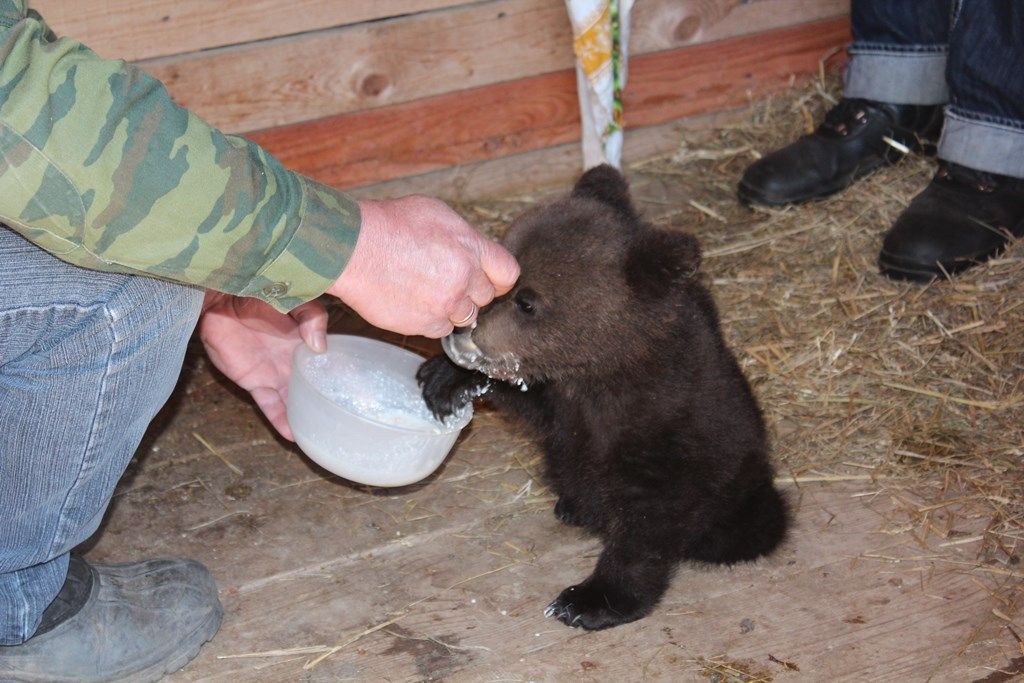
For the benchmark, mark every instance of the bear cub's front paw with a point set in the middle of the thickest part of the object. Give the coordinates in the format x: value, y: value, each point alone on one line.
x: 447, y: 387
x: 594, y: 607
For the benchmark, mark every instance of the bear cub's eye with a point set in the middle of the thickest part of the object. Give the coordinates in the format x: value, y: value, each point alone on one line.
x: 524, y: 301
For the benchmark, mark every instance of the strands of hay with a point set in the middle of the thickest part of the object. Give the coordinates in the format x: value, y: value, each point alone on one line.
x: 914, y: 393
x: 722, y: 670
x: 861, y: 378
x: 923, y: 386
x: 326, y: 651
x: 917, y: 391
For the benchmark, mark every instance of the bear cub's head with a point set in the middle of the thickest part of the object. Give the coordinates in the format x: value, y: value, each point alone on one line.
x: 597, y: 284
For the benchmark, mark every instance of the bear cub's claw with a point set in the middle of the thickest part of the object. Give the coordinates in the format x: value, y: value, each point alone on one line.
x: 590, y: 607
x: 447, y: 387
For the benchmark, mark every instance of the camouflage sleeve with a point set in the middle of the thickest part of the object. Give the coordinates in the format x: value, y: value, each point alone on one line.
x: 100, y: 168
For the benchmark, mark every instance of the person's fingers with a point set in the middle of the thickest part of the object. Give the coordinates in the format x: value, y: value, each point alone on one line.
x: 272, y: 404
x: 437, y: 330
x: 481, y: 291
x: 499, y: 265
x: 312, y: 319
x: 464, y: 313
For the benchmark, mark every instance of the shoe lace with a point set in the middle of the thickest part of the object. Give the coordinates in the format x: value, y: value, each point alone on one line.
x: 980, y: 180
x: 846, y: 115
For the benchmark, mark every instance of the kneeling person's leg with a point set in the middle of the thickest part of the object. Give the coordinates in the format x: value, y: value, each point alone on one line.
x: 86, y: 361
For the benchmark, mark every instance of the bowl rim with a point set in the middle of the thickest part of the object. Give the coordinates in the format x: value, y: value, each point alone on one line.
x: 298, y: 370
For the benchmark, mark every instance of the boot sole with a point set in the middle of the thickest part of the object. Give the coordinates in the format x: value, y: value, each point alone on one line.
x: 899, y: 268
x: 750, y: 195
x: 152, y: 673
x: 203, y: 634
x: 921, y: 274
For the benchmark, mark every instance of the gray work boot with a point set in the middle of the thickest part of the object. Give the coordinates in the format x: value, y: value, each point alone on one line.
x: 122, y: 622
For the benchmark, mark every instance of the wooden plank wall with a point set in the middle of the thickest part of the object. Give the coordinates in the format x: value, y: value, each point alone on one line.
x: 355, y: 92
x: 143, y: 29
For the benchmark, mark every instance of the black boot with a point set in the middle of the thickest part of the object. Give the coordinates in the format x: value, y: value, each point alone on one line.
x: 850, y: 143
x: 962, y: 218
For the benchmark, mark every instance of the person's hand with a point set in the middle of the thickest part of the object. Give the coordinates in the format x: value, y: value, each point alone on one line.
x: 252, y: 344
x: 418, y: 268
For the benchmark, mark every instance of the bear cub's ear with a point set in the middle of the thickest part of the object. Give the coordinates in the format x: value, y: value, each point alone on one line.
x: 658, y: 260
x: 607, y: 185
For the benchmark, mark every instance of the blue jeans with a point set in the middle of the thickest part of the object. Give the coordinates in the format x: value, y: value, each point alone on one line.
x: 86, y: 360
x: 967, y: 53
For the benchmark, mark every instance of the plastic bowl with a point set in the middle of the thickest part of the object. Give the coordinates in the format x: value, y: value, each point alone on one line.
x: 357, y: 411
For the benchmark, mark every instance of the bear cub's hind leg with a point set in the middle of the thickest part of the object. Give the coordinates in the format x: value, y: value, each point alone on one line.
x: 627, y: 583
x: 574, y: 512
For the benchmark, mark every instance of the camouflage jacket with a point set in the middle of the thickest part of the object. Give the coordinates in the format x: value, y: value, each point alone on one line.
x: 101, y: 169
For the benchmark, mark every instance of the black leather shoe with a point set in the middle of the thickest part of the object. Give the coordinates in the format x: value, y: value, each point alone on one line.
x: 850, y: 143
x: 962, y: 218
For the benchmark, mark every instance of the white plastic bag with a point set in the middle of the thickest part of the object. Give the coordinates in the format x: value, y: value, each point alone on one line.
x: 600, y: 41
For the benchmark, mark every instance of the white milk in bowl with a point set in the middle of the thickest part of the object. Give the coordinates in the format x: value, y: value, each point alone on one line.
x: 357, y: 411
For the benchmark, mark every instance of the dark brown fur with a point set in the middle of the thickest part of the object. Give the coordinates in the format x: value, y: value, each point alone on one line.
x: 652, y: 437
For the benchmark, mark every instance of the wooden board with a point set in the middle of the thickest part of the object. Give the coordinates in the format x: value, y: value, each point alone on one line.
x: 399, y: 60
x: 448, y: 580
x: 143, y: 29
x: 665, y: 25
x: 533, y: 113
x: 549, y: 167
x: 369, y: 65
x: 468, y: 608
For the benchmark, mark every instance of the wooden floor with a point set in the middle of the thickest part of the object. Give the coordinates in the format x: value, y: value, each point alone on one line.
x: 322, y: 580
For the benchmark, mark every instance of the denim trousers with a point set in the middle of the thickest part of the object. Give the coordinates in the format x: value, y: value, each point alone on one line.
x: 966, y: 54
x: 86, y: 361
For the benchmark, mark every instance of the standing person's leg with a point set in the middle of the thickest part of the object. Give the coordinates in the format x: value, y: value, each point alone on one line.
x: 975, y: 203
x: 86, y: 360
x: 895, y: 86
x: 899, y: 51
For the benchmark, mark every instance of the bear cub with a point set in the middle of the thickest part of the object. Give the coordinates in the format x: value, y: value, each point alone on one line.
x: 609, y: 350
